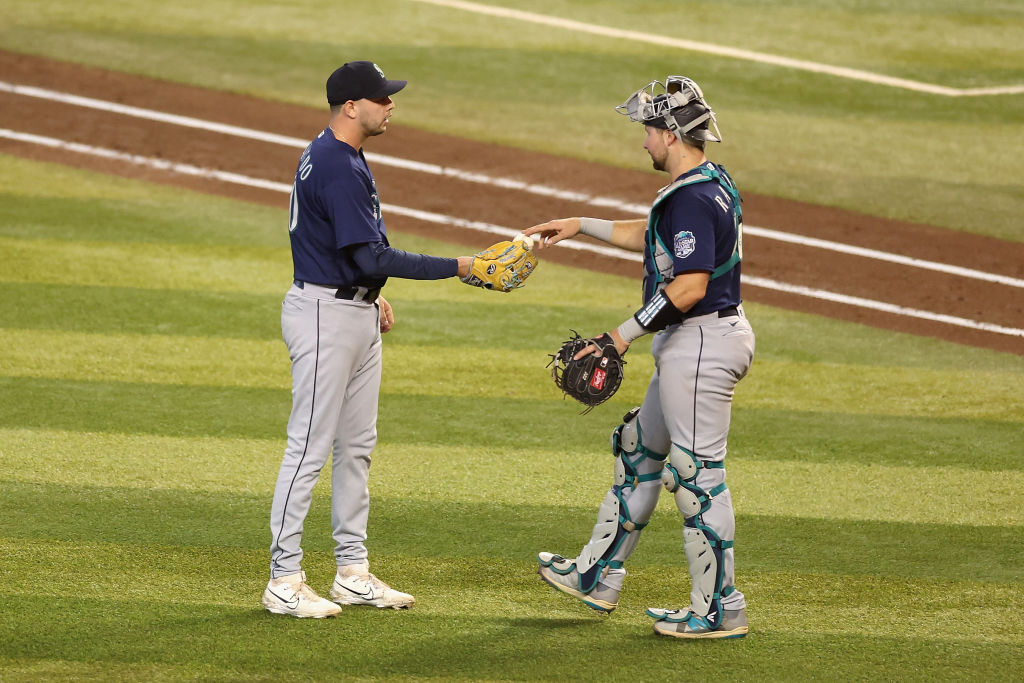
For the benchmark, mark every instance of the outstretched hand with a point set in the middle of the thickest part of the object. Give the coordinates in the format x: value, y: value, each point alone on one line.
x: 553, y: 232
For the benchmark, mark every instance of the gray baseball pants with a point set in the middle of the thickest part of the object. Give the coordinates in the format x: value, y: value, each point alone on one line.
x: 335, y: 351
x: 689, y: 402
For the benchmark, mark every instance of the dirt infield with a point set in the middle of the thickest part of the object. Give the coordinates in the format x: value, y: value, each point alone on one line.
x: 805, y: 266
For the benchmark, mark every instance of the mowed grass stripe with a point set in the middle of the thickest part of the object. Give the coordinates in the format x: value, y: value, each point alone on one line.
x: 448, y: 319
x: 172, y: 549
x: 166, y: 266
x: 123, y: 212
x: 838, y: 491
x: 810, y: 436
x: 411, y: 422
x: 454, y: 421
x: 127, y: 310
x: 268, y: 270
x: 420, y: 368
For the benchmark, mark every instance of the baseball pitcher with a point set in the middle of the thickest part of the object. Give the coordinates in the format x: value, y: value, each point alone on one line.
x: 332, y: 319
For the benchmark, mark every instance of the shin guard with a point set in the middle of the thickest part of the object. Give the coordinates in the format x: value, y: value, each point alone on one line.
x: 626, y: 507
x: 703, y: 547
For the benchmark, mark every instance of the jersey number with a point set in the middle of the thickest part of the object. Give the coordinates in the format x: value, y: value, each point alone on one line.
x: 293, y: 201
x: 293, y: 210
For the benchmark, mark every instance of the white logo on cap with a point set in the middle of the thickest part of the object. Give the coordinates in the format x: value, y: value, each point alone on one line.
x: 380, y: 72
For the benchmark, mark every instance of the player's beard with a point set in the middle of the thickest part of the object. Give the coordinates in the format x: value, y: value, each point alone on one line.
x: 658, y: 162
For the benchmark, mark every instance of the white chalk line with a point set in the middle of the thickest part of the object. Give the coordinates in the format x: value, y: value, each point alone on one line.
x: 432, y: 217
x: 724, y: 51
x: 504, y: 183
x: 877, y: 305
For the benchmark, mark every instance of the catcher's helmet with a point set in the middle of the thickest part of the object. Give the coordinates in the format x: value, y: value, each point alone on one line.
x: 679, y: 107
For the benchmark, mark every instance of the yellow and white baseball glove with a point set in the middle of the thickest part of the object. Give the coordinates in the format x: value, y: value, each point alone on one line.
x: 503, y: 266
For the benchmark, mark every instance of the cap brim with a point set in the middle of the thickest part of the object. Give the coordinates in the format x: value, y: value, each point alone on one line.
x: 389, y: 88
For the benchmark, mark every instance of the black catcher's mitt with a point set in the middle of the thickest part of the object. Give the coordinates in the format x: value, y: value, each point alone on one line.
x: 593, y: 379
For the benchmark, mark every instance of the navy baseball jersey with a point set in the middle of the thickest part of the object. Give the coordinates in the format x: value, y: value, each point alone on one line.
x: 334, y: 205
x: 698, y: 229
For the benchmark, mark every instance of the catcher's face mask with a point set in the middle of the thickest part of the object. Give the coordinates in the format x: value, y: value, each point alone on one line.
x: 661, y: 105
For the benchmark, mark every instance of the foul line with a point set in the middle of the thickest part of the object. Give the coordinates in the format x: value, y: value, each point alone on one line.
x: 429, y: 216
x: 878, y: 305
x: 504, y: 183
x: 724, y: 51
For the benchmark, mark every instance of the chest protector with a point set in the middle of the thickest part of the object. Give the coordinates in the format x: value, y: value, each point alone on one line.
x: 659, y: 262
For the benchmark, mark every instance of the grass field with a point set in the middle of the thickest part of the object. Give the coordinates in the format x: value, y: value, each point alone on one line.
x: 144, y: 386
x: 144, y: 394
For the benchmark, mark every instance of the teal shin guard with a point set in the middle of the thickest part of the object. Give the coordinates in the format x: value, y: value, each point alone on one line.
x: 626, y: 507
x: 703, y: 547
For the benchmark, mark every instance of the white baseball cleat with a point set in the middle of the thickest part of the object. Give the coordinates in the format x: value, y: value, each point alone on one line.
x: 290, y: 595
x: 355, y: 585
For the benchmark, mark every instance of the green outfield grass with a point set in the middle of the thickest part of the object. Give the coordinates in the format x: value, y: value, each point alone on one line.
x: 953, y: 162
x: 144, y: 392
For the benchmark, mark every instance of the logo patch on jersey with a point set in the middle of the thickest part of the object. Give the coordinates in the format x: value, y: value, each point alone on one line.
x: 375, y: 198
x: 685, y: 243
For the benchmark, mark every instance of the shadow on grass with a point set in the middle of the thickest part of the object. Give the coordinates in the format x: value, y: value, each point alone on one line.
x: 224, y: 642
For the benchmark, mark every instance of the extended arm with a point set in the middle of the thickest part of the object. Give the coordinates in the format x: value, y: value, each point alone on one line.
x: 627, y: 234
x: 378, y: 259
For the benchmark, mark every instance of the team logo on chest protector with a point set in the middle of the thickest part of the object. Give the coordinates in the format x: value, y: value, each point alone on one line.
x: 684, y: 243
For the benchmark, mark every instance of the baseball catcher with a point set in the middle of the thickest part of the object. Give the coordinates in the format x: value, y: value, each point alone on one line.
x: 692, y: 246
x: 592, y: 376
x: 503, y: 266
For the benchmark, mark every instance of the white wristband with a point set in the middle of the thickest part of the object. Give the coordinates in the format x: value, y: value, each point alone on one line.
x: 631, y: 330
x: 597, y: 227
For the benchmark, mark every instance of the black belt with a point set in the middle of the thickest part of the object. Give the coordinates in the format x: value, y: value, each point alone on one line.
x: 724, y: 313
x: 347, y: 293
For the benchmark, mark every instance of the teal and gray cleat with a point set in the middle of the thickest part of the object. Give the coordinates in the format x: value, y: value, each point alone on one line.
x: 561, y: 575
x: 685, y: 624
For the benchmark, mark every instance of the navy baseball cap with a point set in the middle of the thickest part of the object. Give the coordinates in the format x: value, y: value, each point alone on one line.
x: 359, y: 80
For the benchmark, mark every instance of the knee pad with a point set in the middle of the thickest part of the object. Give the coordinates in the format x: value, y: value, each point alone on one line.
x: 618, y: 527
x: 627, y: 439
x: 679, y: 477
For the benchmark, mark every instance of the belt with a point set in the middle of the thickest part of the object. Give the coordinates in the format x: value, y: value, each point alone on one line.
x: 728, y: 312
x: 708, y: 318
x: 347, y: 293
x: 724, y: 313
